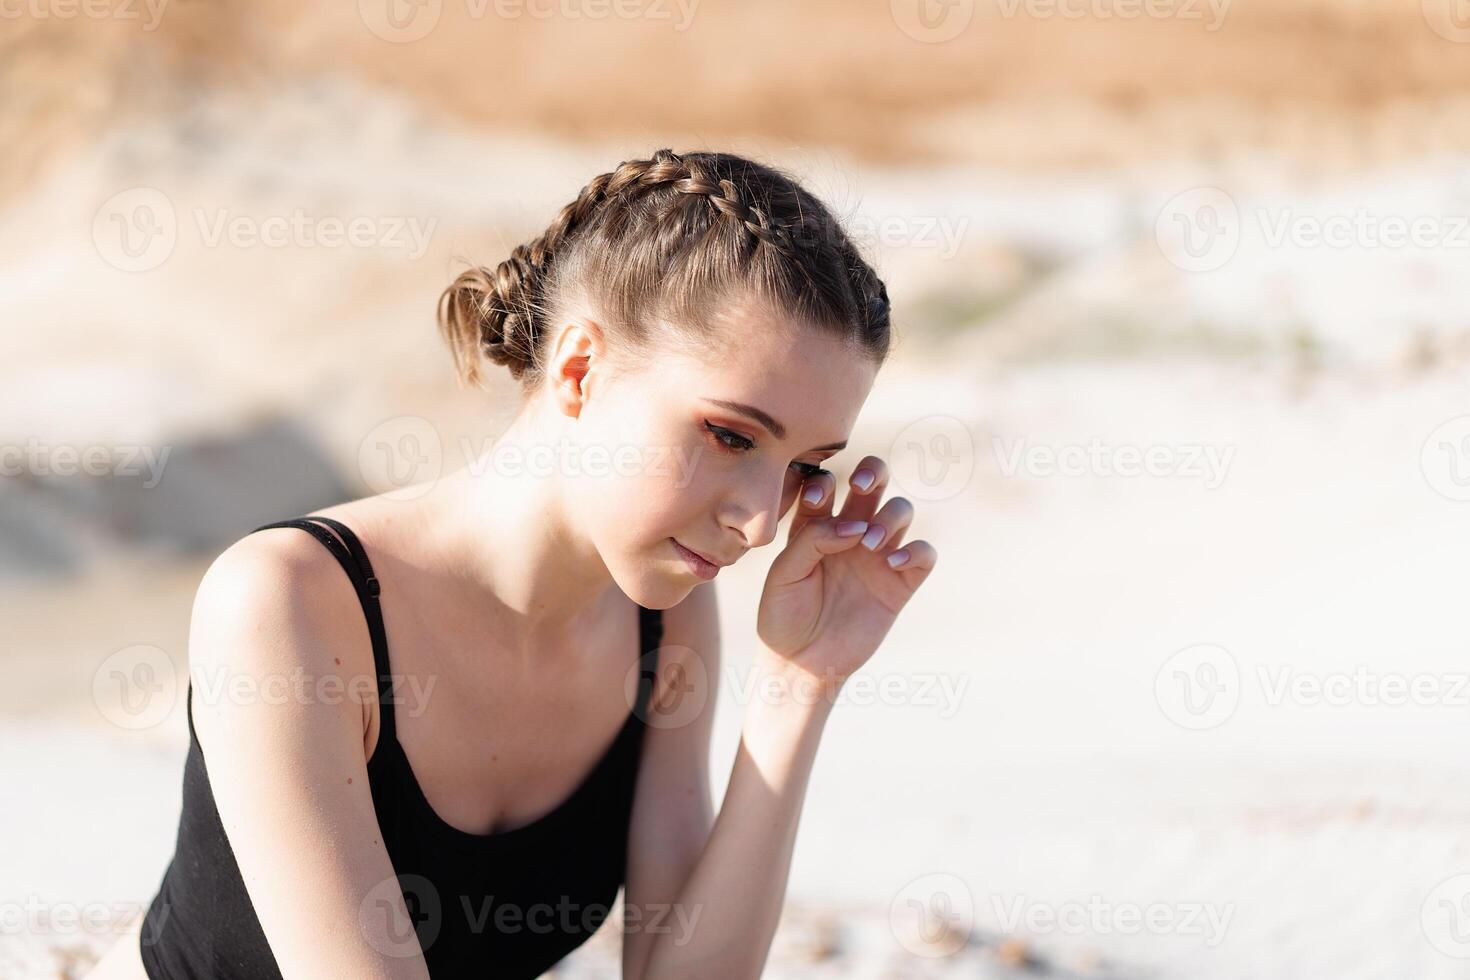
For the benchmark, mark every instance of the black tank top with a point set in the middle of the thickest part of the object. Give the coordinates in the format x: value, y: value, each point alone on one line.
x: 507, y: 904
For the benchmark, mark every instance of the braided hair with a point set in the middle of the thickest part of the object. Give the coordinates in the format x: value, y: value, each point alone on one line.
x: 669, y: 239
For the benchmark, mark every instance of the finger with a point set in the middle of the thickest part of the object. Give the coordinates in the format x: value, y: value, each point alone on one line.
x: 886, y: 528
x: 824, y: 483
x: 864, y: 489
x: 818, y: 539
x: 920, y: 560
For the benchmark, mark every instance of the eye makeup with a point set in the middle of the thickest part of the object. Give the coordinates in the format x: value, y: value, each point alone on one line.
x: 737, y: 443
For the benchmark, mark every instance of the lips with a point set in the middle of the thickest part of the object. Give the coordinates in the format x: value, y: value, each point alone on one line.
x: 700, y: 554
x: 696, y: 562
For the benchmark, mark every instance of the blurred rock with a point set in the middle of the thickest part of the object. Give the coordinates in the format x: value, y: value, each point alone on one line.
x: 176, y: 499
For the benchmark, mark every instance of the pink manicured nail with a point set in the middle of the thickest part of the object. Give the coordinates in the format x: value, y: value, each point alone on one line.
x: 898, y: 559
x: 873, y: 537
x: 846, y: 529
x: 862, y: 479
x: 813, y: 494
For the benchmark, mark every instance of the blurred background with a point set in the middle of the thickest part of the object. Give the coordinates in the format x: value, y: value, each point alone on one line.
x: 1179, y: 392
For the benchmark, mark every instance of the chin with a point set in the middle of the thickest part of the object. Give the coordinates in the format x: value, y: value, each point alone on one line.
x: 664, y: 597
x: 660, y: 586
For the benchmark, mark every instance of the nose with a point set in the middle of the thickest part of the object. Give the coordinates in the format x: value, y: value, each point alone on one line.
x: 753, y: 510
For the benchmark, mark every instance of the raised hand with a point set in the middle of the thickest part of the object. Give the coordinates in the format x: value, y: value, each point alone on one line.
x: 835, y: 590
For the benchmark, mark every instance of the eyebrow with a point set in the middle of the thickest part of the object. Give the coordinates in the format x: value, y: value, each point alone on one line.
x: 775, y: 428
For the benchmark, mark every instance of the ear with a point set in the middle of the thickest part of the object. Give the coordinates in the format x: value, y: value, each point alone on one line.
x: 576, y: 361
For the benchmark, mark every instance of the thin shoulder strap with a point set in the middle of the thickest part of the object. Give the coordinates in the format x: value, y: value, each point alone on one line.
x: 650, y: 638
x: 354, y: 561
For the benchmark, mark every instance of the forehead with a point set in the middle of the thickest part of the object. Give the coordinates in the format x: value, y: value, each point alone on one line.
x: 810, y: 380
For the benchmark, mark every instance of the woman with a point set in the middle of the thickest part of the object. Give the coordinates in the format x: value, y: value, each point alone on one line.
x: 695, y: 335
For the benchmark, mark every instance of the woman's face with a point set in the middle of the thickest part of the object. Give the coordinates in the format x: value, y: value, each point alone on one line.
x: 713, y: 450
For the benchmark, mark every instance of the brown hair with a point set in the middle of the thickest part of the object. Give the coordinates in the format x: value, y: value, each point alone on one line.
x: 668, y: 239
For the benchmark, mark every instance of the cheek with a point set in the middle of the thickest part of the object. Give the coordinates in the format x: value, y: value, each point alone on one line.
x: 660, y: 500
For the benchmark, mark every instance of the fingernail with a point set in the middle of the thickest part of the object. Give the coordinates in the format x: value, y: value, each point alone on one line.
x: 846, y: 529
x: 862, y: 479
x: 873, y: 537
x: 813, y: 494
x: 898, y: 558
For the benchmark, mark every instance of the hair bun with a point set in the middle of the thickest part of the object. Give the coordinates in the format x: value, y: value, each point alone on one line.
x: 490, y: 314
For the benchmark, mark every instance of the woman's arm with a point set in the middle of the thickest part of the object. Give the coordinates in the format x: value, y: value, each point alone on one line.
x: 725, y: 916
x: 289, y: 774
x: 672, y: 809
x: 702, y: 901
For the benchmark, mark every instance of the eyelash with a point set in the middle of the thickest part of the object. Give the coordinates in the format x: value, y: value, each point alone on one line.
x: 742, y: 444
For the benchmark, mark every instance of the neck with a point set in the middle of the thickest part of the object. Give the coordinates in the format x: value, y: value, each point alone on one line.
x: 502, y: 525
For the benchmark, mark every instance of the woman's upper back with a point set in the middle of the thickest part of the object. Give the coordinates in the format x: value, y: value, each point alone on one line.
x: 350, y: 865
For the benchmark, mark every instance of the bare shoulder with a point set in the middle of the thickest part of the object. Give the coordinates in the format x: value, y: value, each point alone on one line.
x: 273, y: 603
x: 269, y: 577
